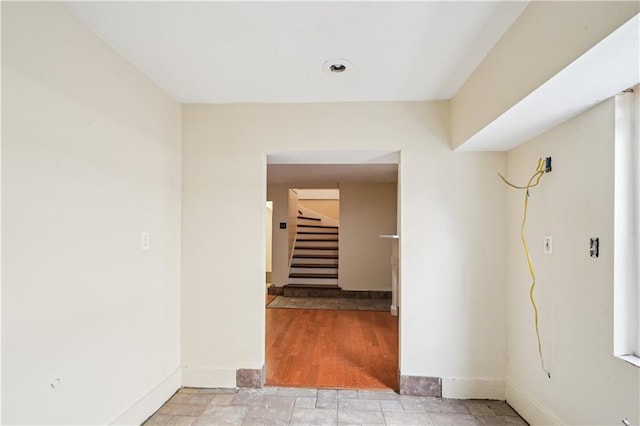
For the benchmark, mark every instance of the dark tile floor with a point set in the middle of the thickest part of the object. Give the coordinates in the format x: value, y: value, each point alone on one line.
x: 297, y: 406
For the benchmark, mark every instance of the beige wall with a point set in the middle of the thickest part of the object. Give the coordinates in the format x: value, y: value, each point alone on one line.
x: 450, y: 205
x: 574, y: 292
x: 328, y: 208
x: 280, y: 237
x: 269, y: 237
x: 545, y: 38
x: 368, y: 210
x: 90, y: 159
x: 292, y: 219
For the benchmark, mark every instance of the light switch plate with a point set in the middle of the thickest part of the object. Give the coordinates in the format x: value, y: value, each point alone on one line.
x: 548, y: 244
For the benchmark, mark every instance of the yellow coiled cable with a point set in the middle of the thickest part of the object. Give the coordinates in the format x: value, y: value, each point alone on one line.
x: 534, y: 180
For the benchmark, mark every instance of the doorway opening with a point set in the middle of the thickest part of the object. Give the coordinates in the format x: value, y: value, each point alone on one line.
x: 268, y: 248
x: 334, y: 327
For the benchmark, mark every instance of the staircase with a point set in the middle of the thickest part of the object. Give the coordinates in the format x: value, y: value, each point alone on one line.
x: 314, y: 264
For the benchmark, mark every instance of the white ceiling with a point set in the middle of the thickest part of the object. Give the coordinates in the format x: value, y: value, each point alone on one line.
x: 222, y: 52
x: 264, y: 51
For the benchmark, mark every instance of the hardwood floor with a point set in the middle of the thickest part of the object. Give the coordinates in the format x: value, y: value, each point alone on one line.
x: 332, y: 349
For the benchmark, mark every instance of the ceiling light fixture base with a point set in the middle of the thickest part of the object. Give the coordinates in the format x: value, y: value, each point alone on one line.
x: 337, y: 66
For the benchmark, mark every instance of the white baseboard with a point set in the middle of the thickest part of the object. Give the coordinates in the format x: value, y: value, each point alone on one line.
x: 483, y: 388
x: 529, y: 408
x: 149, y: 403
x: 208, y: 377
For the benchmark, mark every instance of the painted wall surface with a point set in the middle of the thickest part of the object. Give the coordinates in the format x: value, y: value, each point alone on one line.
x: 292, y: 218
x: 574, y: 292
x: 328, y: 192
x: 368, y: 210
x: 451, y: 205
x: 626, y: 267
x: 545, y: 38
x: 90, y: 159
x: 328, y: 208
x: 280, y: 237
x: 269, y: 236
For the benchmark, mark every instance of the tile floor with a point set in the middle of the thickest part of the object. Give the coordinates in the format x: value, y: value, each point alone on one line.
x: 298, y: 406
x: 340, y: 303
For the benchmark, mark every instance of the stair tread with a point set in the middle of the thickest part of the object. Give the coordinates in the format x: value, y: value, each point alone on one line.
x: 318, y: 226
x: 309, y: 218
x: 316, y: 233
x: 314, y: 265
x: 317, y: 248
x: 315, y: 256
x: 333, y: 240
x: 305, y: 275
x: 335, y: 286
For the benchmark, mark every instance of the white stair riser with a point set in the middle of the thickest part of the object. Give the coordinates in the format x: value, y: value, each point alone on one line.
x: 308, y: 222
x: 302, y: 270
x: 317, y: 236
x: 309, y: 251
x: 302, y: 244
x: 316, y: 261
x: 317, y: 229
x: 318, y: 281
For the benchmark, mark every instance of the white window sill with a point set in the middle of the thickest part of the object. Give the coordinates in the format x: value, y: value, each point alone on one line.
x: 631, y: 359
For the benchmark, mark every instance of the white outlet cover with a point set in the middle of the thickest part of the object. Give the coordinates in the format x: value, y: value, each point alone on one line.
x: 548, y: 244
x: 144, y: 241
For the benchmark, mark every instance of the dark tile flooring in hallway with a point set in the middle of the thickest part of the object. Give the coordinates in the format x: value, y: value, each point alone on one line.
x: 301, y: 406
x: 335, y: 303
